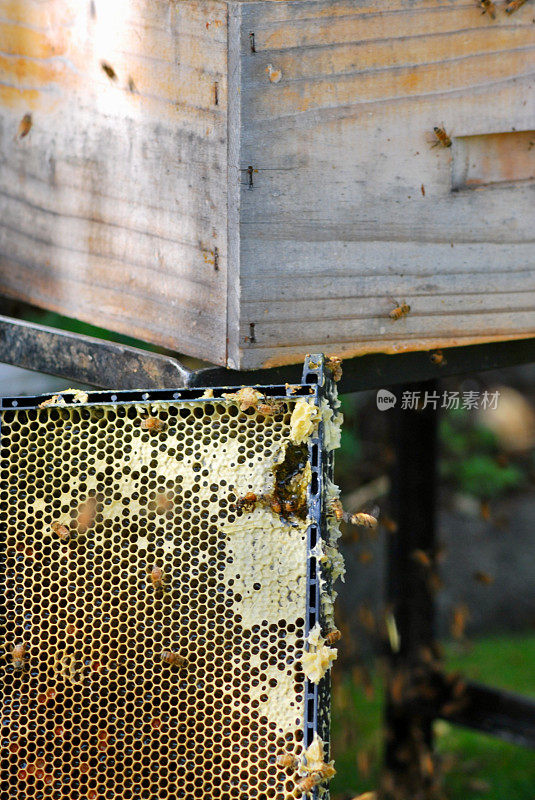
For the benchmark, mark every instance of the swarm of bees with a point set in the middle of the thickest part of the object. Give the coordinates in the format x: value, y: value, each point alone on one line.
x: 285, y: 507
x: 18, y: 656
x: 442, y: 137
x: 400, y: 311
x: 173, y: 659
x: 361, y: 518
x: 62, y: 531
x: 152, y: 424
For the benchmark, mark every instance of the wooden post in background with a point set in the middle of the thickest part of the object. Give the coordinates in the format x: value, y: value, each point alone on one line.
x: 409, y: 771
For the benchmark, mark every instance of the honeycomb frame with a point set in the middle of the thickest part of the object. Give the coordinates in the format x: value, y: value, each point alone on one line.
x: 111, y: 698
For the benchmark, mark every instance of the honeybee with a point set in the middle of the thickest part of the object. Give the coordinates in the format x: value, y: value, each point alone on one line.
x: 438, y: 357
x: 513, y: 6
x: 287, y: 760
x: 158, y: 578
x: 335, y: 365
x: 247, y: 502
x: 173, y: 659
x: 365, y: 520
x: 488, y: 8
x: 421, y: 557
x: 152, y: 424
x: 290, y: 506
x: 460, y: 617
x: 62, y: 531
x: 18, y: 654
x: 246, y: 397
x: 333, y: 636
x: 108, y: 69
x: 275, y: 504
x: 483, y: 578
x: 269, y: 409
x: 25, y: 126
x: 442, y: 137
x: 400, y: 311
x: 306, y: 785
x: 361, y: 518
x: 337, y: 509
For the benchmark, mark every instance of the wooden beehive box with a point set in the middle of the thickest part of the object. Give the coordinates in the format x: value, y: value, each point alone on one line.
x: 246, y: 182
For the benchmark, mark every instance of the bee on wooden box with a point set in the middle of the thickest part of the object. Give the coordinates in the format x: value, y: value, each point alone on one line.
x: 442, y: 137
x: 514, y: 6
x: 400, y: 311
x: 488, y: 8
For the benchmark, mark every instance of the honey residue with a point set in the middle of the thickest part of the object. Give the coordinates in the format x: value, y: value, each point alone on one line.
x: 319, y: 657
x: 304, y: 420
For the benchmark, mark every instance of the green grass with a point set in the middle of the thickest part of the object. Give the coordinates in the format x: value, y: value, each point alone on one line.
x: 482, y: 768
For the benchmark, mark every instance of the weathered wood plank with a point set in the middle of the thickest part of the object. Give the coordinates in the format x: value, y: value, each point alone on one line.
x: 113, y: 206
x: 351, y: 207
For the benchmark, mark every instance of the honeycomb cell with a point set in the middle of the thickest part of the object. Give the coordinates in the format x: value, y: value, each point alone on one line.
x: 185, y: 687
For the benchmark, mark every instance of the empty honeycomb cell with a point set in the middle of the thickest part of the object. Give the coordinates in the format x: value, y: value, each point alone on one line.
x: 185, y: 686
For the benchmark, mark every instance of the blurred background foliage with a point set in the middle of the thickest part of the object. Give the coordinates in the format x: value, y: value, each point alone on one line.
x: 487, y: 474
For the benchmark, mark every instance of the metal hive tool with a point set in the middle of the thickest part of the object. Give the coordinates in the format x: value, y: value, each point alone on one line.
x: 155, y: 619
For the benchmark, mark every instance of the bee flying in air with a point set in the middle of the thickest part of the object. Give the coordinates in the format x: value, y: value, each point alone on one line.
x: 361, y: 518
x: 442, y: 137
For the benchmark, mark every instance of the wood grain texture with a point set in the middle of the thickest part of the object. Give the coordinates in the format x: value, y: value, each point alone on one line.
x: 113, y: 206
x: 128, y: 201
x: 352, y: 210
